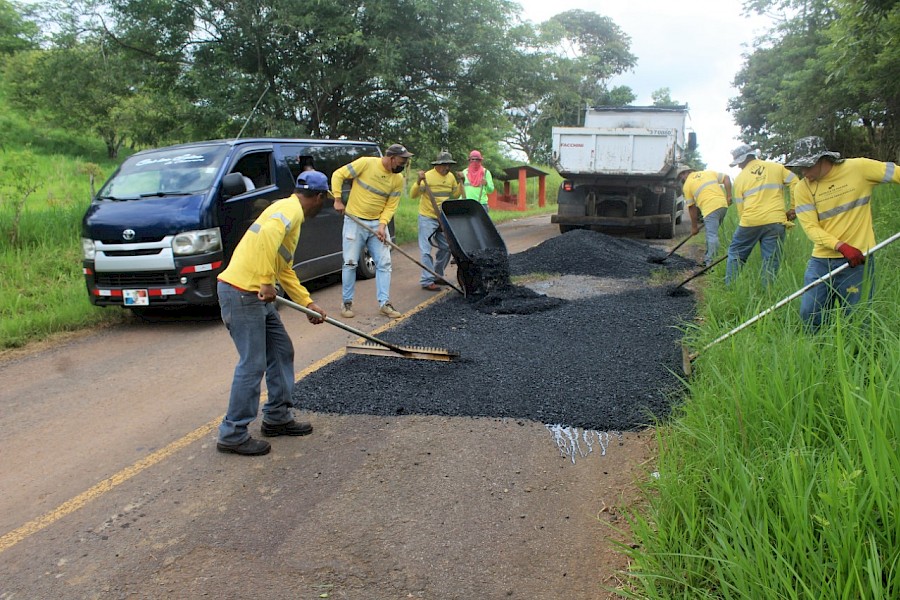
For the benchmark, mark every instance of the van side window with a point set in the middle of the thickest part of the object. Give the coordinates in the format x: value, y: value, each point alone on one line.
x: 256, y: 166
x: 326, y: 157
x: 297, y: 163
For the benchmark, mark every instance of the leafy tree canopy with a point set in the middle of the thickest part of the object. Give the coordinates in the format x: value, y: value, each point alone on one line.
x: 827, y: 69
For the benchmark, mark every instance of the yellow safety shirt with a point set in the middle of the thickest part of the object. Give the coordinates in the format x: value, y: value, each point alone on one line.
x: 443, y: 187
x: 266, y: 252
x: 703, y: 188
x: 836, y: 207
x: 376, y: 191
x: 758, y: 193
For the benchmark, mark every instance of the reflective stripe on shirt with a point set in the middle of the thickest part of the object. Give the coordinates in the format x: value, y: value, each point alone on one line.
x: 256, y: 227
x: 889, y: 172
x: 767, y: 186
x: 844, y: 208
x: 375, y: 190
x: 703, y: 187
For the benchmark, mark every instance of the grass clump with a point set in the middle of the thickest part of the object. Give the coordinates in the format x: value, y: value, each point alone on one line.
x: 780, y: 475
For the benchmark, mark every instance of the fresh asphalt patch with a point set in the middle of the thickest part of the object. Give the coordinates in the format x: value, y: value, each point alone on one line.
x: 605, y: 362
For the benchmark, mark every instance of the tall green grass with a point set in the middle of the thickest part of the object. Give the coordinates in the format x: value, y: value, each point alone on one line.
x: 779, y: 477
x: 43, y: 289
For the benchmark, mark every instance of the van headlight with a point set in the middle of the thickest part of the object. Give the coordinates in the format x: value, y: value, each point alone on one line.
x: 203, y: 241
x: 88, y: 248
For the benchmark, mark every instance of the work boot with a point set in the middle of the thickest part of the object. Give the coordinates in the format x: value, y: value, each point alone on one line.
x: 292, y: 427
x: 347, y: 310
x: 250, y: 447
x: 388, y: 311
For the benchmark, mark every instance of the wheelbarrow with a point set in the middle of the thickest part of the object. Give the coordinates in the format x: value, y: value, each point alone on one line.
x: 470, y: 234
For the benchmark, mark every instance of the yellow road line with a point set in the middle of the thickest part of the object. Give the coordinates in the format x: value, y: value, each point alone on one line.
x: 15, y: 536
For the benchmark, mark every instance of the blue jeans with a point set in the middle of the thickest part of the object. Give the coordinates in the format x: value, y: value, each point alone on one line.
x: 355, y: 238
x: 427, y: 227
x: 769, y: 237
x: 846, y: 288
x: 264, y: 349
x: 712, y: 221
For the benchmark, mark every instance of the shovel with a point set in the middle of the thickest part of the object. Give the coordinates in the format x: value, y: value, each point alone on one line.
x: 403, y: 252
x: 657, y: 260
x: 687, y: 358
x: 677, y: 291
x: 405, y: 352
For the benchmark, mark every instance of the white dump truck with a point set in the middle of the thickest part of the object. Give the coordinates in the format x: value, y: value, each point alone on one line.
x: 619, y: 169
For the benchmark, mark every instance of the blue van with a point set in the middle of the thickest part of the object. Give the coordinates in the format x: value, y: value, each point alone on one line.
x: 167, y: 221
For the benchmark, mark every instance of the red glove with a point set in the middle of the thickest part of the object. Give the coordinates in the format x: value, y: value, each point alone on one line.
x: 853, y: 255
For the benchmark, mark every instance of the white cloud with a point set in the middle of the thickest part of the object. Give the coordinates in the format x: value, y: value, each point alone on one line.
x: 693, y: 48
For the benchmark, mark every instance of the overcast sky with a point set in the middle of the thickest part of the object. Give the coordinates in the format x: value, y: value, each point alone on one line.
x: 694, y: 48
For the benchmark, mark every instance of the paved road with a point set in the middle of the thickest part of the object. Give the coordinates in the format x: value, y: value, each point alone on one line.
x: 111, y: 485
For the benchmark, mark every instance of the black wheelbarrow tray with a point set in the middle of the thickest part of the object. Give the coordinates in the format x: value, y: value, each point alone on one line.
x: 470, y: 232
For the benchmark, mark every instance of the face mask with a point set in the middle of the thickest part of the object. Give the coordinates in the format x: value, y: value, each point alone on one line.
x: 399, y: 168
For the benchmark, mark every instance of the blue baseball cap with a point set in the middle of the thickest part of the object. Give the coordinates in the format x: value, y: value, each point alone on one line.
x: 314, y: 181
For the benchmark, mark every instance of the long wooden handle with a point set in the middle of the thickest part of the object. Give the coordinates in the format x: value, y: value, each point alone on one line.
x: 343, y: 326
x: 796, y: 294
x: 684, y: 241
x: 703, y: 270
x: 402, y: 251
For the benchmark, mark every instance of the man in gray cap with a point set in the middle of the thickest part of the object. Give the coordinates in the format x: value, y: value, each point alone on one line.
x: 373, y: 199
x: 759, y: 198
x: 832, y: 204
x: 437, y: 184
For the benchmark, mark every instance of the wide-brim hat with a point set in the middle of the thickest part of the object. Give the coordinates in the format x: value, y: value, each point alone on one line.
x: 741, y: 153
x: 443, y: 158
x: 679, y: 169
x: 808, y: 151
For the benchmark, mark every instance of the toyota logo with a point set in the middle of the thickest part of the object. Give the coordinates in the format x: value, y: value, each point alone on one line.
x: 128, y: 235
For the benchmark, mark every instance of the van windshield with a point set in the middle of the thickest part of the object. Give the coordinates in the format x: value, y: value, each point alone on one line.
x: 168, y: 172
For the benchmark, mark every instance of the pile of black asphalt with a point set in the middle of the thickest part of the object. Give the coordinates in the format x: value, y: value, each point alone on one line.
x: 607, y: 362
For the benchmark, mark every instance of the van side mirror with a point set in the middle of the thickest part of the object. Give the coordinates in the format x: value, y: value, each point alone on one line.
x: 692, y: 141
x: 232, y: 185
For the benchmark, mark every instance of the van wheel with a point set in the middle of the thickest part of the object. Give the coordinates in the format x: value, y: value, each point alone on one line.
x: 365, y: 268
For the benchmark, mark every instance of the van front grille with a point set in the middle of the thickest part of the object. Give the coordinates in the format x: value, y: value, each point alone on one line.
x: 138, y: 279
x: 143, y: 252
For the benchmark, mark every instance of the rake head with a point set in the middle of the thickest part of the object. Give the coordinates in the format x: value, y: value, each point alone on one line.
x: 416, y: 352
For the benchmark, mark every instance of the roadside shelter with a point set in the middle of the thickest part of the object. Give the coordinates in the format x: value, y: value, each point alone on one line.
x: 521, y: 173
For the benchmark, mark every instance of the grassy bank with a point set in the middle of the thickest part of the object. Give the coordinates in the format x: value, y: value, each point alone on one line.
x: 780, y: 475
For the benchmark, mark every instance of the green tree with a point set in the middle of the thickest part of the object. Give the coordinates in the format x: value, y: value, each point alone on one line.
x: 663, y: 97
x: 827, y: 70
x: 89, y: 86
x: 577, y: 52
x: 17, y: 32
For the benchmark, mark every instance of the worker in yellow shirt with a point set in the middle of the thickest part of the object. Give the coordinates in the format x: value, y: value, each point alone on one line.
x: 443, y: 185
x: 833, y: 207
x: 246, y: 290
x: 704, y: 195
x: 373, y: 199
x: 759, y: 198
